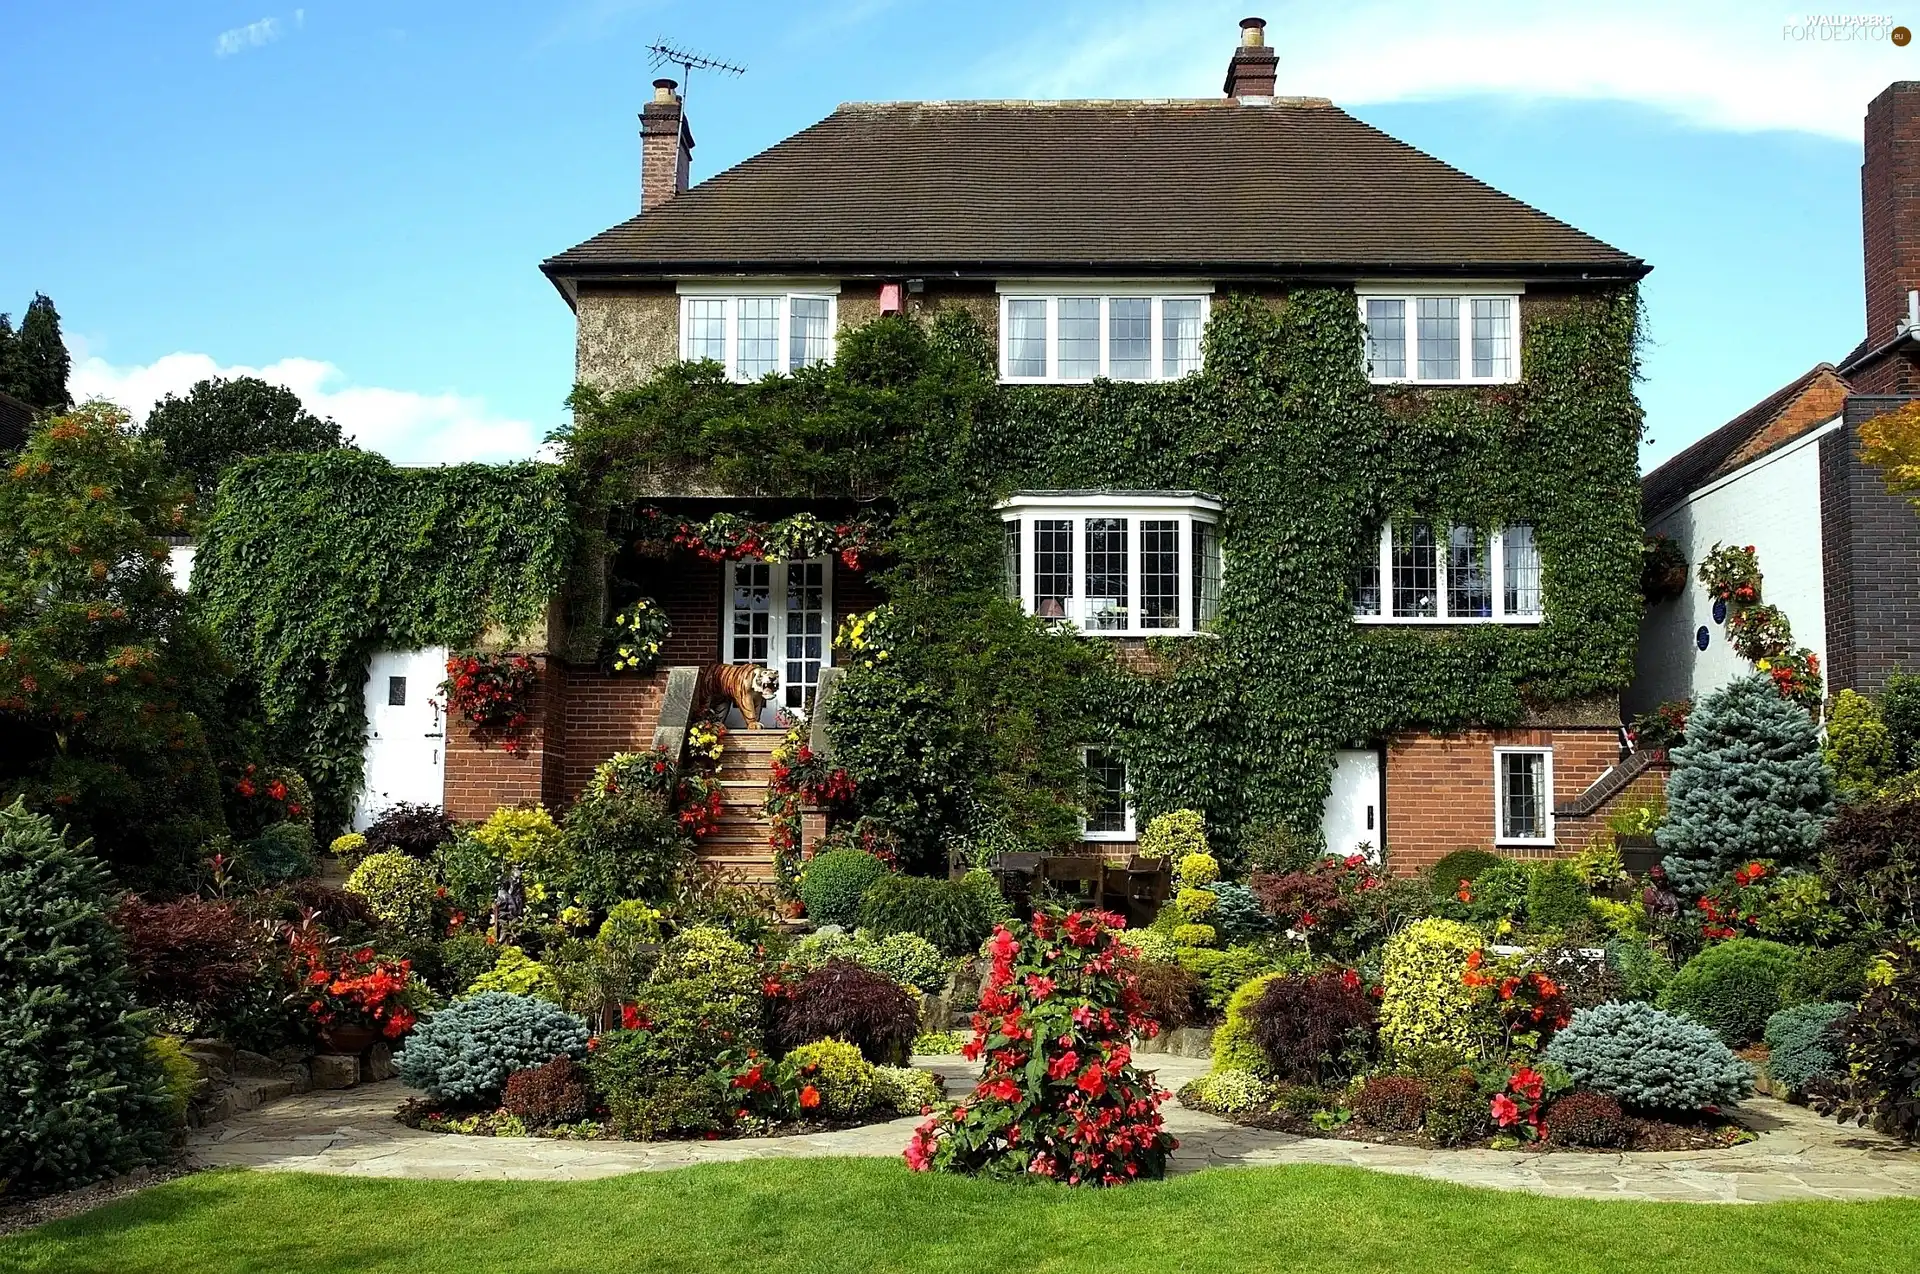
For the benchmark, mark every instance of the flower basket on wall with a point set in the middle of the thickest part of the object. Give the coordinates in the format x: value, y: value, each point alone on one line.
x: 492, y: 692
x: 1663, y: 569
x: 639, y: 631
x: 1759, y: 632
x: 1732, y: 574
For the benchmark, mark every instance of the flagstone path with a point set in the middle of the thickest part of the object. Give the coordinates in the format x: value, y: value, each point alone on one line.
x: 1797, y: 1156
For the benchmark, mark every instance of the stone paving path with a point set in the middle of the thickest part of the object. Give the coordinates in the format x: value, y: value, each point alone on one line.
x: 1797, y: 1155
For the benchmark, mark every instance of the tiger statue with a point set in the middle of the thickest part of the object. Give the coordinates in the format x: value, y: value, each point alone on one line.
x: 746, y: 686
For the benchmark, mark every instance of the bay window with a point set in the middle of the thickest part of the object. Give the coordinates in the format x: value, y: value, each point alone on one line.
x: 1138, y: 564
x: 1062, y: 334
x: 752, y: 333
x: 1442, y: 338
x: 1456, y: 575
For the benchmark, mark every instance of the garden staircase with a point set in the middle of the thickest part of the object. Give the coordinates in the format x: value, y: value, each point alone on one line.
x: 738, y: 847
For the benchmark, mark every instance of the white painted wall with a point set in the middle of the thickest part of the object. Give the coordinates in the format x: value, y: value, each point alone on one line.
x: 180, y: 565
x: 406, y: 755
x: 1772, y: 504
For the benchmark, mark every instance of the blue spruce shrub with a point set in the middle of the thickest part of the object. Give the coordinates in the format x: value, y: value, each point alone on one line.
x: 1238, y: 915
x: 463, y: 1054
x: 1804, y: 1045
x: 1748, y: 783
x: 1733, y: 987
x: 1649, y: 1059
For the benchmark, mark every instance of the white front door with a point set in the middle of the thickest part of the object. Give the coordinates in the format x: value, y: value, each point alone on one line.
x: 1353, y: 819
x: 406, y: 755
x: 780, y: 615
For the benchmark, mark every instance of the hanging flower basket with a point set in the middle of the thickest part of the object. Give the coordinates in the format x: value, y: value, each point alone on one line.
x: 1759, y: 632
x: 491, y: 692
x: 1663, y: 728
x: 1732, y: 575
x: 1663, y: 569
x: 731, y: 537
x: 1797, y: 677
x: 638, y: 633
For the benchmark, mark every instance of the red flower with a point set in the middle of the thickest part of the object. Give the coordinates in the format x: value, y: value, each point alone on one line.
x: 1505, y: 1113
x: 1092, y: 1082
x: 809, y: 1097
x: 1465, y: 892
x: 1528, y: 1083
x: 632, y: 1018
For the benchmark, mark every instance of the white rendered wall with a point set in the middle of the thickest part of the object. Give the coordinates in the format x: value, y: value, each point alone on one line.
x: 1772, y: 504
x: 180, y: 565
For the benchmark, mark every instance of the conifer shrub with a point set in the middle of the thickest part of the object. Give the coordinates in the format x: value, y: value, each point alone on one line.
x: 1859, y: 747
x: 463, y: 1054
x: 1557, y: 898
x: 1748, y: 783
x: 1732, y: 987
x: 82, y: 1095
x: 1234, y: 1047
x: 1803, y: 1044
x: 1648, y: 1059
x: 1461, y: 865
x: 1587, y: 1119
x: 1835, y: 975
x: 842, y: 1000
x: 1423, y: 1000
x: 1237, y: 914
x: 832, y: 883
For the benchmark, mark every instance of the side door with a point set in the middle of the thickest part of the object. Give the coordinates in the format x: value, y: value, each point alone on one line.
x: 406, y: 755
x: 1353, y: 821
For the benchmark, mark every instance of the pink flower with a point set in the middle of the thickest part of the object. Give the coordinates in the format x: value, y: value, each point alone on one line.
x: 1505, y: 1113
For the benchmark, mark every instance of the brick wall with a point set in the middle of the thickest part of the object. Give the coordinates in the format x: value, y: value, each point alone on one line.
x: 1870, y: 551
x: 1890, y: 206
x: 481, y: 776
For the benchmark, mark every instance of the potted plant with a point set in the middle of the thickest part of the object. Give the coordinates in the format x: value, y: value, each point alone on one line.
x: 1732, y: 574
x: 1663, y: 569
x: 353, y: 996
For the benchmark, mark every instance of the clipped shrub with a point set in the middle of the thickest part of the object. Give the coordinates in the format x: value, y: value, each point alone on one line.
x: 541, y: 1096
x: 1391, y: 1103
x: 1460, y: 865
x: 1587, y: 1119
x: 1457, y: 1110
x: 846, y: 1001
x: 1232, y: 1091
x: 463, y: 1054
x: 1192, y: 935
x: 411, y: 828
x: 398, y: 889
x: 948, y: 913
x: 1195, y: 905
x: 84, y: 1096
x: 623, y: 843
x: 1803, y: 1044
x: 831, y: 885
x: 905, y: 1090
x: 1313, y: 1027
x: 1732, y: 987
x: 1827, y: 974
x: 831, y: 1079
x: 1556, y: 897
x: 1175, y: 835
x: 910, y: 960
x: 993, y: 901
x: 1237, y: 914
x: 1234, y: 1047
x: 1649, y: 1059
x: 464, y: 957
x: 1423, y: 1000
x: 1197, y: 871
x: 517, y: 973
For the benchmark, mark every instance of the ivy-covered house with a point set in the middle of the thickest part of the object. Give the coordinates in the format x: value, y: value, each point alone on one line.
x: 1222, y: 453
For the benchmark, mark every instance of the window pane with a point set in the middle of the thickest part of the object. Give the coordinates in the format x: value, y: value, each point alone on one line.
x: 1386, y: 338
x: 1013, y: 560
x: 1179, y: 338
x: 807, y: 331
x: 1416, y: 573
x: 1492, y: 347
x: 1522, y: 553
x: 1469, y: 579
x: 1106, y: 792
x: 1366, y: 581
x: 759, y: 336
x: 707, y: 329
x: 1027, y: 338
x: 1439, y: 337
x: 1523, y: 795
x: 1079, y: 337
x: 1159, y: 574
x: 1052, y: 568
x: 1130, y: 337
x: 806, y: 630
x: 1206, y: 573
x: 1106, y: 573
x: 749, y: 641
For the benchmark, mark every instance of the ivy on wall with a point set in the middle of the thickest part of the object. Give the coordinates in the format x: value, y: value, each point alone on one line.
x: 310, y: 563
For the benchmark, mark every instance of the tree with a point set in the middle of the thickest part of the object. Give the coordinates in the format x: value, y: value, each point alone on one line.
x: 222, y: 421
x: 1748, y: 783
x: 34, y: 362
x: 1892, y: 443
x: 101, y: 669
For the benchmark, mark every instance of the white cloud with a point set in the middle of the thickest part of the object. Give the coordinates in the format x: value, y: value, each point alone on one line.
x: 254, y: 34
x: 1711, y: 63
x: 406, y: 427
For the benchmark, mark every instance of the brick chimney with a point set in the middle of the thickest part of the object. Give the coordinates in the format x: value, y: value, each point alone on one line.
x: 1890, y: 208
x: 666, y: 147
x: 1251, y: 72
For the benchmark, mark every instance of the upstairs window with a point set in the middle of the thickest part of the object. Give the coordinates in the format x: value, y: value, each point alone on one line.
x: 1441, y: 338
x: 1064, y: 335
x: 753, y: 333
x: 1144, y: 564
x: 1459, y: 575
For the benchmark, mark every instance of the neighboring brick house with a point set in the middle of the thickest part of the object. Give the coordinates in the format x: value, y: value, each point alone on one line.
x: 16, y: 421
x: 1090, y: 238
x: 1840, y: 556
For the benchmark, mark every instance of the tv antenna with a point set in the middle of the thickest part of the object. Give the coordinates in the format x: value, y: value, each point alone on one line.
x: 688, y: 62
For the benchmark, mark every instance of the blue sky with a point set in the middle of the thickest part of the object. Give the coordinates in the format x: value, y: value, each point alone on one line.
x: 354, y: 196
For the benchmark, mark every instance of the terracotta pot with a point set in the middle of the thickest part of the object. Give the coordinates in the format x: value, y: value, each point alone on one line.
x: 348, y: 1039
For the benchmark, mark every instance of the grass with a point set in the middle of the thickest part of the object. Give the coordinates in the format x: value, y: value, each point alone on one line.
x: 851, y: 1214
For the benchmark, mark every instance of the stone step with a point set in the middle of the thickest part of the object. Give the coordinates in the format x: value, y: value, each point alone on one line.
x: 754, y: 740
x: 257, y: 1090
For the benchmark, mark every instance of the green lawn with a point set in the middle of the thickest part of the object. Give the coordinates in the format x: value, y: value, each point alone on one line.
x: 847, y: 1214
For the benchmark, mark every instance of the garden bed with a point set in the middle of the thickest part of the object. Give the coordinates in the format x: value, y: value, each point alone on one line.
x: 499, y: 1123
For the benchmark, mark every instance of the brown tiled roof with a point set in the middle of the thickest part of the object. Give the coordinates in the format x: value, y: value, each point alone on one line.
x: 1787, y: 413
x: 1209, y: 186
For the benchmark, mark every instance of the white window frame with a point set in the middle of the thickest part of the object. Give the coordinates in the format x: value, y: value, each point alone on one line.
x: 1130, y: 831
x: 1409, y: 294
x: 1052, y: 291
x: 1496, y: 573
x: 785, y: 291
x: 1500, y: 798
x: 1183, y: 509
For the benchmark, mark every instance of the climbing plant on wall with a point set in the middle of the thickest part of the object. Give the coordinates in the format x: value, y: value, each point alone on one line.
x: 310, y: 563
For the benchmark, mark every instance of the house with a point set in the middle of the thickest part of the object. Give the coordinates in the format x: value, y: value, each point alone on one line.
x: 16, y: 422
x: 1839, y: 555
x: 1093, y: 242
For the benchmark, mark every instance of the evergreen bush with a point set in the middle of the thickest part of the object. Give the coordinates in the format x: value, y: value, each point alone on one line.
x: 1900, y: 711
x: 910, y: 960
x: 1237, y: 914
x: 832, y: 1078
x: 1803, y: 1044
x: 1174, y: 835
x: 1423, y: 1000
x: 82, y: 1095
x: 1649, y: 1059
x: 1234, y: 1046
x: 399, y: 889
x: 517, y: 973
x: 1557, y: 898
x: 1859, y: 747
x: 1461, y: 865
x: 948, y: 913
x: 906, y: 1090
x: 462, y: 1055
x: 623, y: 843
x: 1748, y: 783
x: 1587, y: 1119
x: 1732, y: 987
x: 832, y: 883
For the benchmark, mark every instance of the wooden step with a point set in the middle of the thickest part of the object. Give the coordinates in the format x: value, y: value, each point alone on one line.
x: 754, y: 740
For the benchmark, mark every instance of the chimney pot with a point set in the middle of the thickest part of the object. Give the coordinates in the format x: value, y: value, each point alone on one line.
x: 666, y: 146
x: 1253, y: 32
x: 663, y: 91
x: 1252, y: 70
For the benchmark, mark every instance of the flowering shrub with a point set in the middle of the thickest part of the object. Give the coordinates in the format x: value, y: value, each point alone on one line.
x: 1425, y: 1000
x: 1662, y: 728
x: 1731, y: 574
x: 1649, y: 1059
x: 1391, y: 1103
x: 1587, y: 1119
x: 1795, y: 675
x: 1059, y: 1096
x: 1320, y: 904
x: 1522, y: 1102
x: 1316, y: 1027
x: 490, y: 692
x: 352, y: 986
x: 845, y: 1001
x: 638, y: 632
x: 707, y: 742
x: 257, y: 797
x: 1528, y: 1004
x: 866, y: 639
x: 700, y: 803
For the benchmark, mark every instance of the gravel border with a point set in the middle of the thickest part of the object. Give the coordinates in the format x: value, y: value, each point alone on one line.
x: 28, y: 1213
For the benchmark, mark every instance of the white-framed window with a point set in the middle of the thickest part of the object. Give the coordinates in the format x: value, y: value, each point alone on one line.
x: 1523, y: 796
x: 1124, y: 564
x: 754, y: 331
x: 1441, y: 337
x: 1452, y: 575
x: 1109, y: 808
x: 1063, y: 333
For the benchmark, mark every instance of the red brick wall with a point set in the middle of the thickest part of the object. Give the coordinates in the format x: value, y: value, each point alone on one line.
x: 1890, y: 206
x: 481, y: 776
